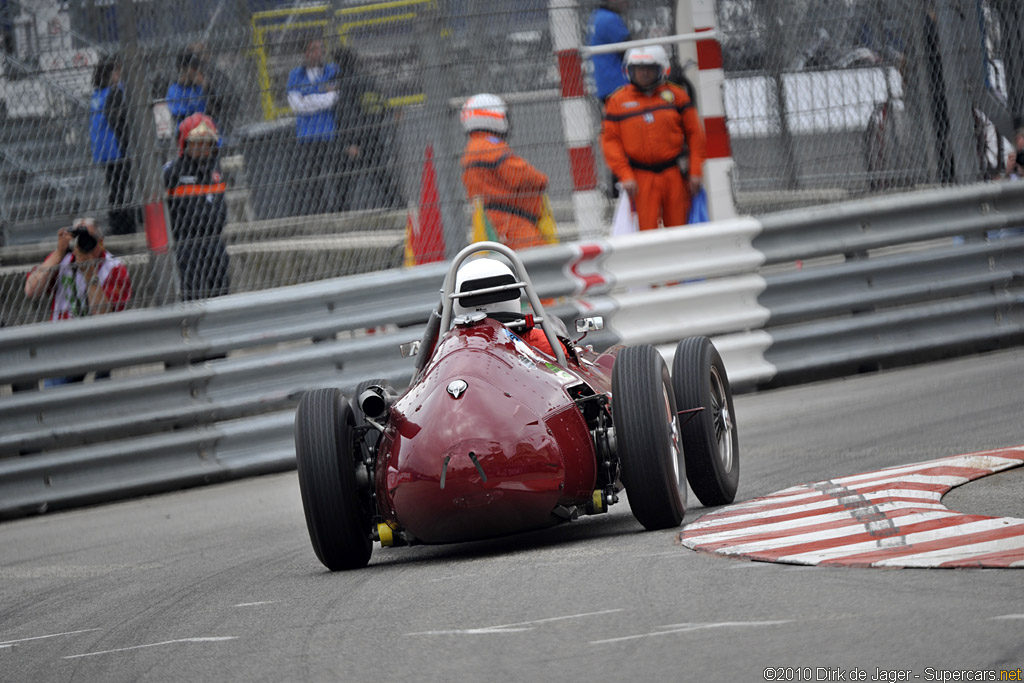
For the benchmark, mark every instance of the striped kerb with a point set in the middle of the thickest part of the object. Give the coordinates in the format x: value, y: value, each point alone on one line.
x: 887, y: 518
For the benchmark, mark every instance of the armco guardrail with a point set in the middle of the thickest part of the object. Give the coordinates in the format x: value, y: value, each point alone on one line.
x: 206, y: 391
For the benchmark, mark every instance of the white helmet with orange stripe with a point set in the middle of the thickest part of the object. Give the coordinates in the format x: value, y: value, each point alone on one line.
x: 653, y: 55
x: 485, y: 112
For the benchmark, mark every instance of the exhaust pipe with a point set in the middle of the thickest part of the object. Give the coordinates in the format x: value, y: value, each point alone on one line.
x: 375, y: 401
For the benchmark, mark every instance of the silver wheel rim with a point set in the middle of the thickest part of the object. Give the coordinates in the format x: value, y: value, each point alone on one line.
x: 721, y: 419
x: 674, y: 438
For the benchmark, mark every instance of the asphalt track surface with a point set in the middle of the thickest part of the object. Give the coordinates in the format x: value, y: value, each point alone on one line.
x: 220, y: 583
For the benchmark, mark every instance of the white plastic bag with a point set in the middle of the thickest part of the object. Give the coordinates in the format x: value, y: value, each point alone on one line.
x: 625, y: 221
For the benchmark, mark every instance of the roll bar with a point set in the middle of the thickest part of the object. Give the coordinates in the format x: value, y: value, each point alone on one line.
x: 449, y: 295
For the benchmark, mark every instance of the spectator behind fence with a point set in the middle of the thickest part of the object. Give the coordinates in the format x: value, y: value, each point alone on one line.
x: 312, y: 95
x: 198, y: 210
x: 191, y: 93
x: 608, y: 26
x: 648, y: 127
x: 510, y: 188
x: 108, y: 134
x: 223, y: 100
x: 1015, y: 161
x: 81, y: 278
x: 366, y: 132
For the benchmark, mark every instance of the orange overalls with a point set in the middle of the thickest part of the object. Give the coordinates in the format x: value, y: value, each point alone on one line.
x: 643, y: 137
x: 511, y: 188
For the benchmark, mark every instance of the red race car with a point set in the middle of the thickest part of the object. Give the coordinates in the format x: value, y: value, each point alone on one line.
x: 509, y: 425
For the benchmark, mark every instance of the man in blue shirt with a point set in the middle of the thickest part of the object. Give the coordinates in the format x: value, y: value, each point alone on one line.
x: 187, y: 95
x: 608, y: 26
x: 313, y: 95
x: 108, y: 133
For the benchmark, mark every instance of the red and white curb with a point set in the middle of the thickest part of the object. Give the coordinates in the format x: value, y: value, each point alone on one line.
x: 886, y: 518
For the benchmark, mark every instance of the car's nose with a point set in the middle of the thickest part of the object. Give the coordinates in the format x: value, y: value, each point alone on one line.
x: 486, y: 467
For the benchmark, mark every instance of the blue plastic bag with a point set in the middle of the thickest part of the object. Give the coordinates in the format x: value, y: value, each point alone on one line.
x: 699, y: 208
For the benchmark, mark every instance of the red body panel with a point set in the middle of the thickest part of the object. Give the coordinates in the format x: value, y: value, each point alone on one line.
x: 508, y: 449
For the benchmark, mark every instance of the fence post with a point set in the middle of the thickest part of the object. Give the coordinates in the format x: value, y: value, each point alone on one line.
x: 700, y: 16
x: 774, y: 15
x: 588, y: 204
x: 145, y: 158
x: 437, y: 89
x: 955, y: 96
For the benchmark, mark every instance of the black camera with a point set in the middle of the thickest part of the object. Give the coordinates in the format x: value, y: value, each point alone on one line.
x: 82, y: 239
x: 1018, y: 158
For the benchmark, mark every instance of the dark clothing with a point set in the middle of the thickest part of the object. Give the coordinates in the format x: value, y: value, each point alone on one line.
x: 198, y: 211
x: 364, y: 120
x: 317, y: 176
x: 121, y: 216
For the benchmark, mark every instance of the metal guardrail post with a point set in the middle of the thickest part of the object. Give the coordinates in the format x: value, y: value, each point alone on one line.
x: 144, y: 155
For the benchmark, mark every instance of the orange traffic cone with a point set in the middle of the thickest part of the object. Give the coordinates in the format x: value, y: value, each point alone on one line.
x: 424, y: 229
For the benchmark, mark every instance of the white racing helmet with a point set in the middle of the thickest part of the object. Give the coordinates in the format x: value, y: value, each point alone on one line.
x: 485, y: 112
x: 482, y: 273
x: 653, y: 55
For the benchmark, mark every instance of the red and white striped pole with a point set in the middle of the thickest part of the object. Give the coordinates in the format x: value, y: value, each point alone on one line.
x: 588, y: 204
x: 710, y: 103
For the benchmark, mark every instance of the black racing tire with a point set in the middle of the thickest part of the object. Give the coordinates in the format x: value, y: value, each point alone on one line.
x: 647, y: 437
x: 710, y: 440
x: 327, y: 456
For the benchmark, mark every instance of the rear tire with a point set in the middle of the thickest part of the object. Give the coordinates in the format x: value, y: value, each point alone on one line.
x: 327, y: 456
x: 647, y: 437
x: 710, y: 440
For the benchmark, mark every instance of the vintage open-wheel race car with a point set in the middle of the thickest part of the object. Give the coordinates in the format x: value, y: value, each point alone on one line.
x: 508, y: 425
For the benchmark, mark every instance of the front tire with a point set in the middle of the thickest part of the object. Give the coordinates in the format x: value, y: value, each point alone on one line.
x: 647, y: 437
x: 327, y: 456
x: 710, y: 439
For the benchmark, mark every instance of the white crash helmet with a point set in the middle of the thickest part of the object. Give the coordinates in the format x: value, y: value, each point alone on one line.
x: 485, y: 112
x: 482, y: 273
x: 653, y: 55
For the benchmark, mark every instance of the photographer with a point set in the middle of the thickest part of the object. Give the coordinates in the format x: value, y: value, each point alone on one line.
x: 1015, y: 162
x: 82, y: 277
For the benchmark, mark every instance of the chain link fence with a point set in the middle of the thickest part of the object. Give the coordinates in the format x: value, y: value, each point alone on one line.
x: 319, y: 169
x: 830, y: 100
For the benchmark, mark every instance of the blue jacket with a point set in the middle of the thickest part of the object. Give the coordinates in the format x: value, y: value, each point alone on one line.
x: 184, y: 101
x: 317, y: 125
x: 606, y: 27
x: 105, y: 145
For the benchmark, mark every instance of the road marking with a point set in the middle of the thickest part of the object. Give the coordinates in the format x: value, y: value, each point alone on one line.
x: 11, y: 643
x: 686, y: 628
x: 213, y: 639
x: 253, y: 604
x: 887, y: 518
x: 668, y: 553
x: 453, y: 577
x: 1007, y: 616
x: 510, y: 628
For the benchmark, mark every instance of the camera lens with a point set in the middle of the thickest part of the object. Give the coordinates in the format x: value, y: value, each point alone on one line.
x: 83, y: 239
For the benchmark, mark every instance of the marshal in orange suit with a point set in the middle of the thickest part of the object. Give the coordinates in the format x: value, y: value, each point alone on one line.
x: 648, y: 124
x: 510, y: 187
